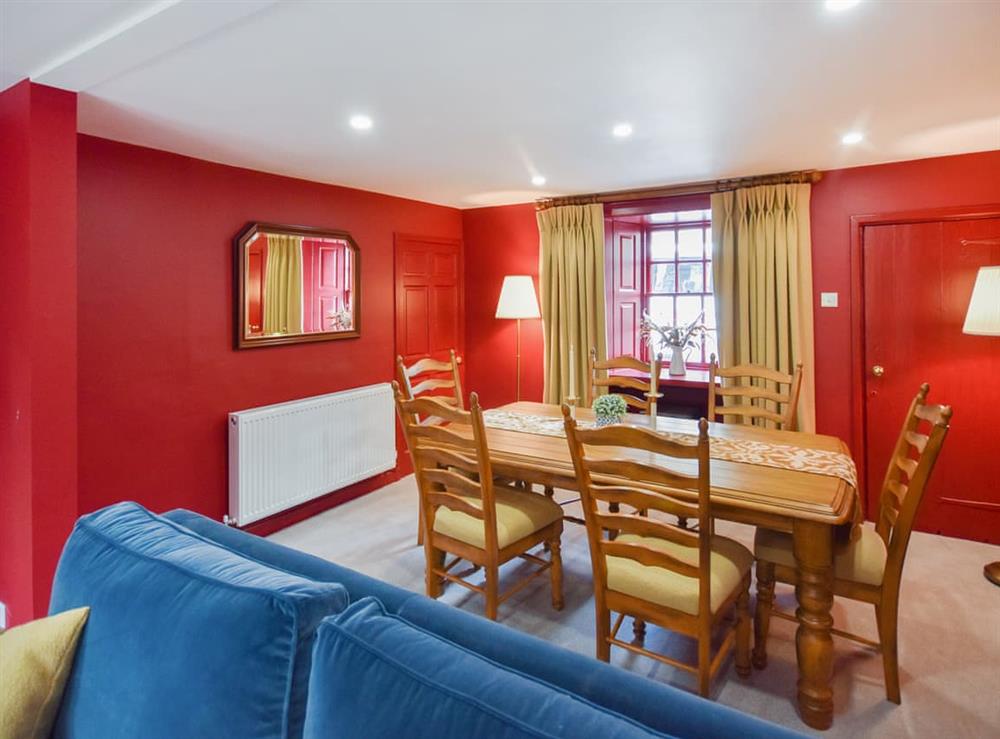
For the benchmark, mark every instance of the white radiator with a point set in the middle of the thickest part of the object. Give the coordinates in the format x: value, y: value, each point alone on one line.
x: 286, y: 454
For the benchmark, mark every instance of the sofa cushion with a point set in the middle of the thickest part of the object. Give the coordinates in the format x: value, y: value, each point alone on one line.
x: 185, y: 638
x: 292, y: 560
x: 375, y: 674
x: 661, y: 707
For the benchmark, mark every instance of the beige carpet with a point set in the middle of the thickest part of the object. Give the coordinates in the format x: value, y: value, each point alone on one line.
x: 949, y: 631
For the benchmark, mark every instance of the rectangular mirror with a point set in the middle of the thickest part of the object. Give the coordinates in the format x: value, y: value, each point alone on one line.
x: 295, y: 284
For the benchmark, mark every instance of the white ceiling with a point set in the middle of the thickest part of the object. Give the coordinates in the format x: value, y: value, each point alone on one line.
x: 470, y: 100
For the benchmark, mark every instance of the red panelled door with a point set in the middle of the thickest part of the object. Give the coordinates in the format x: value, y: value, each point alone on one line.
x: 918, y: 278
x: 428, y: 298
x: 256, y: 270
x: 326, y: 276
x: 624, y: 274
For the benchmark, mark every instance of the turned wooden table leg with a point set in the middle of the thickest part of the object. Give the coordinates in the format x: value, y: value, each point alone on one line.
x: 813, y: 641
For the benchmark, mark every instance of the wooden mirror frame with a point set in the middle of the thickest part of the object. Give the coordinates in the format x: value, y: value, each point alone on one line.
x: 240, y: 293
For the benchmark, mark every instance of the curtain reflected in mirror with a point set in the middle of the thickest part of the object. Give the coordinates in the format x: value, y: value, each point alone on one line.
x: 296, y: 284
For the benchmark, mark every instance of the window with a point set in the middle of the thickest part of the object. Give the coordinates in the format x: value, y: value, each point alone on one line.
x: 678, y: 284
x: 660, y: 262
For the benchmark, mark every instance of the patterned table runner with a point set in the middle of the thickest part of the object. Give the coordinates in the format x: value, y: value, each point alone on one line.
x: 768, y: 454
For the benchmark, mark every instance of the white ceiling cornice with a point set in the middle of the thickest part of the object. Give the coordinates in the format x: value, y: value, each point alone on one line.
x: 471, y: 101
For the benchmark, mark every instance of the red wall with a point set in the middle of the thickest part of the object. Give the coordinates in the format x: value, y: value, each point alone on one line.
x: 504, y: 240
x: 968, y: 179
x: 158, y: 373
x: 38, y: 335
x: 499, y: 241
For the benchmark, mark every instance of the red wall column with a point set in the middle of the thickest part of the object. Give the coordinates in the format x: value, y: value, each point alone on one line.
x: 38, y: 344
x: 500, y: 241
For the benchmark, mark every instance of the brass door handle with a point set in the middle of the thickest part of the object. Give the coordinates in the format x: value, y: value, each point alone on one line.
x: 878, y: 370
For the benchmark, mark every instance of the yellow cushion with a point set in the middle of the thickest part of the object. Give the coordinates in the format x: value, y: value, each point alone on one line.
x: 35, y: 660
x: 862, y: 561
x: 519, y: 514
x: 730, y: 563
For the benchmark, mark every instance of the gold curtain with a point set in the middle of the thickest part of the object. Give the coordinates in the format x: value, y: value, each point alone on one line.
x: 571, y: 281
x: 283, y: 285
x: 762, y: 268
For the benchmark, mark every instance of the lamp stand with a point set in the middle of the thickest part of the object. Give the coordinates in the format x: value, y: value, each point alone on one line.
x: 517, y: 360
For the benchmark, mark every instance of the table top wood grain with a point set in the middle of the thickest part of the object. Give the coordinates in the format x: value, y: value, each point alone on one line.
x: 750, y: 493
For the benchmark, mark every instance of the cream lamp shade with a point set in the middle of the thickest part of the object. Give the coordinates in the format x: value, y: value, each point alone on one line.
x: 983, y: 317
x: 517, y: 298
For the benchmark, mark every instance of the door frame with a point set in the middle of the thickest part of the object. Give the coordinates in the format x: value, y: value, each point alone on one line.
x: 400, y: 238
x: 859, y: 420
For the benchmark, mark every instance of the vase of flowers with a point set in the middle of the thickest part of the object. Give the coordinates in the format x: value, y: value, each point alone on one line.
x: 676, y: 338
x: 609, y: 409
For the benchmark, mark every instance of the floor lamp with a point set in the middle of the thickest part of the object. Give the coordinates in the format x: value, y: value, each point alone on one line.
x: 517, y: 301
x: 983, y: 319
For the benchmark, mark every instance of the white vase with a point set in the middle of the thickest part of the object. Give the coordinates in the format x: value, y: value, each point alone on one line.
x: 677, y: 361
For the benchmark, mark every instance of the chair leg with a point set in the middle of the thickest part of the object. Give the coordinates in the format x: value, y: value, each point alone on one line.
x: 492, y: 591
x: 603, y: 632
x: 434, y: 558
x: 555, y: 572
x: 762, y: 618
x: 549, y: 491
x: 704, y: 663
x: 743, y: 631
x: 887, y: 619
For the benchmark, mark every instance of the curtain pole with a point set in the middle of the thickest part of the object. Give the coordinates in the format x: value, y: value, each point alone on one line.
x: 811, y: 176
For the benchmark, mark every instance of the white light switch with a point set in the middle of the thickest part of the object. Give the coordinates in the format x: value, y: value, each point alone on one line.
x: 828, y: 300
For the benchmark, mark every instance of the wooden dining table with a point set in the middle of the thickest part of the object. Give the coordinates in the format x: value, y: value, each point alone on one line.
x: 817, y: 509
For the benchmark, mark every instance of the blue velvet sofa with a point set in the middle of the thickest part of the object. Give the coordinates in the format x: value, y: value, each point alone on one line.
x: 197, y: 629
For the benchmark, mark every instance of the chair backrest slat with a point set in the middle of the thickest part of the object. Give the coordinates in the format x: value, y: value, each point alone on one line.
x: 657, y: 499
x: 640, y: 472
x: 452, y: 480
x: 629, y: 524
x: 598, y: 371
x: 425, y: 376
x: 914, y: 457
x: 754, y: 394
x: 639, y: 456
x: 454, y: 503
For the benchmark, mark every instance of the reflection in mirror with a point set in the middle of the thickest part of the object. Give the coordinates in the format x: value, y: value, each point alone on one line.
x: 296, y: 285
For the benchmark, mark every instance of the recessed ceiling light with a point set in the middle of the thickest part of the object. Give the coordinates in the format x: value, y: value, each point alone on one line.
x: 852, y: 137
x: 360, y: 122
x: 838, y: 6
x: 622, y: 130
x: 537, y: 180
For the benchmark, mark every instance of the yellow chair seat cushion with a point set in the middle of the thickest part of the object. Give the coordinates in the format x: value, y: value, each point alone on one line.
x: 35, y: 661
x: 730, y: 563
x: 862, y: 561
x: 519, y: 514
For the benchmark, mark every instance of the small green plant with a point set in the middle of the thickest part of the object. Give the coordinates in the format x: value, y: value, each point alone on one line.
x: 610, y: 406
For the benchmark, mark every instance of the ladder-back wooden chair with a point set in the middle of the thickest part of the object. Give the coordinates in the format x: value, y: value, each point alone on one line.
x: 426, y: 376
x: 870, y: 568
x: 465, y: 512
x: 652, y: 570
x: 754, y: 393
x: 598, y: 370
